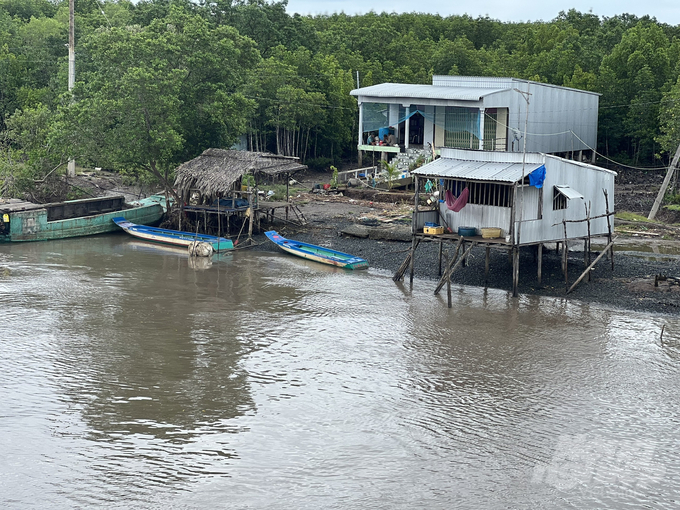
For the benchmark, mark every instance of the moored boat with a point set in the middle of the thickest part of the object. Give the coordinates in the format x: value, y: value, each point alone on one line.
x: 173, y: 237
x: 26, y: 221
x: 317, y: 253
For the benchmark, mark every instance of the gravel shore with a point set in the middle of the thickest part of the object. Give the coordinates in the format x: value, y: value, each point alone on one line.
x: 630, y: 285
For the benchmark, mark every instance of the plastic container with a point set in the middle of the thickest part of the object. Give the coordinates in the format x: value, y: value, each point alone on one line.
x: 433, y: 230
x: 491, y: 233
x: 467, y: 231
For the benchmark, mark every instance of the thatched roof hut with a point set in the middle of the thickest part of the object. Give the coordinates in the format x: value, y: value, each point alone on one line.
x: 217, y: 170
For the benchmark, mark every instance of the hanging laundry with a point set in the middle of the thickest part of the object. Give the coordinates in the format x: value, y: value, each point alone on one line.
x: 456, y: 204
x: 537, y: 177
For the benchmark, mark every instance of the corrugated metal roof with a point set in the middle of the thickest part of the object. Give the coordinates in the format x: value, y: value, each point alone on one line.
x: 567, y: 191
x: 475, y: 170
x: 426, y: 91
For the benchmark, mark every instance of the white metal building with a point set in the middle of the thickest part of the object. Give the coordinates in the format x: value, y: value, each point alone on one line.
x: 501, y: 196
x: 482, y: 113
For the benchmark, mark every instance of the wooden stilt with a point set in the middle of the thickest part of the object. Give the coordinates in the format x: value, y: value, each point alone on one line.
x: 448, y: 285
x: 588, y: 239
x: 539, y: 262
x: 250, y: 218
x: 449, y: 272
x: 486, y: 267
x: 413, y: 258
x: 590, y: 266
x: 609, y: 227
x: 515, y: 271
x: 404, y: 265
x: 565, y: 256
x: 441, y: 244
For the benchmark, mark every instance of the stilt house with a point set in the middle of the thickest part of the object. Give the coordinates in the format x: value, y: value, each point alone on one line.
x: 527, y: 197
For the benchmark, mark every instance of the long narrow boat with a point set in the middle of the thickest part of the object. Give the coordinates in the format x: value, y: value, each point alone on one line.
x: 317, y: 253
x: 26, y: 221
x: 173, y: 237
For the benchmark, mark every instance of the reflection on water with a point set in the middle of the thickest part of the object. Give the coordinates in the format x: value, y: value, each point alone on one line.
x: 132, y: 378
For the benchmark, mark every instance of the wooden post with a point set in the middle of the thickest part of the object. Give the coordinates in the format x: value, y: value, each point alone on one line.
x: 664, y: 185
x: 588, y: 240
x: 539, y: 262
x: 609, y: 226
x: 413, y: 258
x: 441, y: 243
x: 447, y: 274
x: 486, y: 267
x: 416, y: 199
x: 404, y: 265
x: 442, y: 280
x: 250, y: 218
x: 590, y: 266
x: 565, y: 251
x: 448, y: 284
x: 515, y: 271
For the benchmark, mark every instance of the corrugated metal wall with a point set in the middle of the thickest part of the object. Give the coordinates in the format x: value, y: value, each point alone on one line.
x: 588, y: 180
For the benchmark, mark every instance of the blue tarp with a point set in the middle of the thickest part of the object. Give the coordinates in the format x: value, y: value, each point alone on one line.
x: 537, y: 177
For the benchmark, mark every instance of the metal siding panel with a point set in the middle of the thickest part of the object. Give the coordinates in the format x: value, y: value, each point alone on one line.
x: 587, y: 179
x: 478, y: 216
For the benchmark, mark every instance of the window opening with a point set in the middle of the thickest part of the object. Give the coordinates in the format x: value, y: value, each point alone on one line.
x: 559, y: 200
x: 482, y: 193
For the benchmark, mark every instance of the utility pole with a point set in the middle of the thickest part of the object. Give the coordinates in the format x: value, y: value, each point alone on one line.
x: 71, y: 67
x: 664, y: 186
x: 515, y: 277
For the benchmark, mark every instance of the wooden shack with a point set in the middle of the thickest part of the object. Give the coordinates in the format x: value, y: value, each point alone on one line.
x: 510, y: 200
x: 215, y: 192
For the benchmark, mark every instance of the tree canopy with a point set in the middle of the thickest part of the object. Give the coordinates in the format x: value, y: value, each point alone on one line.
x: 159, y: 81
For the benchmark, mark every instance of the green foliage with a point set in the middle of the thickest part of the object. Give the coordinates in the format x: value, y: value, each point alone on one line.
x: 629, y: 216
x: 159, y: 81
x: 318, y: 164
x: 670, y: 119
x: 155, y: 96
x: 248, y: 180
x: 391, y: 170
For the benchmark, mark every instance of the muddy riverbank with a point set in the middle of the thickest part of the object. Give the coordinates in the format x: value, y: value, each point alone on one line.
x: 629, y: 285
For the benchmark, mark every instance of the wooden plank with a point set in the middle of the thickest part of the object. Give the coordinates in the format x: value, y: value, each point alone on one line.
x: 587, y: 270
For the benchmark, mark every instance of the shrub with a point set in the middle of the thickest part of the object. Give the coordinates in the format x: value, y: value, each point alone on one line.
x: 318, y: 164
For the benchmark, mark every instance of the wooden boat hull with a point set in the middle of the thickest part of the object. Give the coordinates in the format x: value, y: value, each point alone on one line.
x: 317, y: 253
x: 172, y: 237
x: 33, y: 222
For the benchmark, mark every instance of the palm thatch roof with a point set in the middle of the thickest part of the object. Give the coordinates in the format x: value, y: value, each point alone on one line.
x: 217, y: 170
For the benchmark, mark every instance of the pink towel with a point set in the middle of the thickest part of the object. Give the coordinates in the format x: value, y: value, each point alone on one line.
x: 456, y: 204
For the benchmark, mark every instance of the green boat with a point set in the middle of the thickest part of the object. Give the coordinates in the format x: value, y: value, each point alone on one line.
x: 26, y: 221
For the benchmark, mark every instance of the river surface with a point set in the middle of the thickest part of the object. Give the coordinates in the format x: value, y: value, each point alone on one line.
x: 132, y: 378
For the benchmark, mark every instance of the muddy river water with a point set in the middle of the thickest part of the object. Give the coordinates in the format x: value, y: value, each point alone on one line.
x: 133, y: 378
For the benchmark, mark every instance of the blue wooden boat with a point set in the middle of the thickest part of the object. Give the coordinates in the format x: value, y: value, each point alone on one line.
x: 173, y: 237
x: 26, y: 221
x: 317, y: 253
